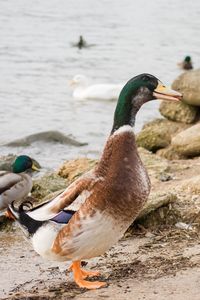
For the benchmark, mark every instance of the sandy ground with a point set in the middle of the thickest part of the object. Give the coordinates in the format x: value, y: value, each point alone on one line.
x: 164, y: 264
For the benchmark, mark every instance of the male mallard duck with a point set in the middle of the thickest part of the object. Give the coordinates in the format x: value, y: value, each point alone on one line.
x: 83, y: 90
x: 93, y: 213
x: 16, y: 185
x: 186, y: 64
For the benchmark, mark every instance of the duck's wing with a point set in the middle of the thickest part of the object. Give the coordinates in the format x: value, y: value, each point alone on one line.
x: 8, y: 180
x: 8, y: 183
x: 70, y: 199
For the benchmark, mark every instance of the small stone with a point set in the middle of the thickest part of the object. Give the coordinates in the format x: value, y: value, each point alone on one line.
x: 184, y: 226
x: 165, y: 177
x: 149, y: 235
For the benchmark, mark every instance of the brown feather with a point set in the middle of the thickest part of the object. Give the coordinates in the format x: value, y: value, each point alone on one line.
x: 71, y: 193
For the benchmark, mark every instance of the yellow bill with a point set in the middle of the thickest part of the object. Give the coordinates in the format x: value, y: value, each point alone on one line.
x: 164, y: 93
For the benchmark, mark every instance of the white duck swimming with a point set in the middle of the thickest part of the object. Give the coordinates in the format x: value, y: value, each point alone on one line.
x: 83, y: 90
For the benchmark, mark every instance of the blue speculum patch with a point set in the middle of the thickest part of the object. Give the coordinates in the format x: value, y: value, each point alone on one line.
x: 63, y: 217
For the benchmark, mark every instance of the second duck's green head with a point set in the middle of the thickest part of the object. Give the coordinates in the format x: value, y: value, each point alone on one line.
x: 137, y: 91
x: 23, y: 163
x: 187, y: 59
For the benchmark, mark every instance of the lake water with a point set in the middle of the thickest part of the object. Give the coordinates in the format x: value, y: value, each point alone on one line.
x: 37, y: 60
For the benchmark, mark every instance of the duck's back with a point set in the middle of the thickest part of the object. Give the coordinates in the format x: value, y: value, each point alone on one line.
x: 103, y: 91
x: 13, y: 187
x: 98, y: 92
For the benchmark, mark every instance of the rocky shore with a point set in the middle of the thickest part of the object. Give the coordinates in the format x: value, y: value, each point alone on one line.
x: 177, y: 134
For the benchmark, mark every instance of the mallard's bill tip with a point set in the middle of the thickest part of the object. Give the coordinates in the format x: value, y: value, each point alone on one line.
x: 164, y: 93
x: 35, y: 168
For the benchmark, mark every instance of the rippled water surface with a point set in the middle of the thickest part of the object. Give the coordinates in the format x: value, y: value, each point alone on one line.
x: 37, y: 60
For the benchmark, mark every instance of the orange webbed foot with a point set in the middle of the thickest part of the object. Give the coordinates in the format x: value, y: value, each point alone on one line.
x: 90, y: 285
x: 9, y: 215
x: 80, y: 275
x: 86, y: 273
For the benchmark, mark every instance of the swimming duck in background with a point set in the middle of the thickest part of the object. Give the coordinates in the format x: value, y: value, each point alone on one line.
x: 82, y: 90
x: 186, y: 64
x: 16, y: 185
x: 82, y: 43
x: 93, y: 213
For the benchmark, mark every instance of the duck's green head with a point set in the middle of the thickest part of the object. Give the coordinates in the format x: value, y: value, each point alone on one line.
x: 187, y: 59
x: 137, y: 91
x: 23, y: 163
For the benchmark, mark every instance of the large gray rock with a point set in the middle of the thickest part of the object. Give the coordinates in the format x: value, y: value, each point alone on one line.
x: 179, y: 111
x: 187, y: 142
x: 188, y: 84
x: 45, y: 136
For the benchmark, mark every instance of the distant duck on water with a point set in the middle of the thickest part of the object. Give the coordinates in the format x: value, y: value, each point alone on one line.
x: 186, y: 64
x: 93, y: 213
x: 82, y: 43
x: 16, y: 184
x: 83, y: 90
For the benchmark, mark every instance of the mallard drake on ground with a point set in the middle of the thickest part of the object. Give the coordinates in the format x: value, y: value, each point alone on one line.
x: 93, y: 213
x: 16, y: 185
x: 83, y: 90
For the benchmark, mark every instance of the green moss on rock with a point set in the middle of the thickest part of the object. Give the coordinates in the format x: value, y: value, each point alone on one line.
x: 72, y: 169
x: 48, y: 184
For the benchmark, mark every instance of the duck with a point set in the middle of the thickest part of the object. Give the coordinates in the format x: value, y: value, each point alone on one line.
x: 186, y: 64
x: 16, y: 184
x: 94, y: 211
x: 82, y: 43
x: 83, y: 90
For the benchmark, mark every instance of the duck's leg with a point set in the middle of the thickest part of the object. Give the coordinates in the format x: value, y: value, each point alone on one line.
x: 86, y: 273
x: 80, y: 274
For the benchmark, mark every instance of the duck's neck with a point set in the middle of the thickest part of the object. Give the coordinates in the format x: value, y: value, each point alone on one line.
x: 129, y: 103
